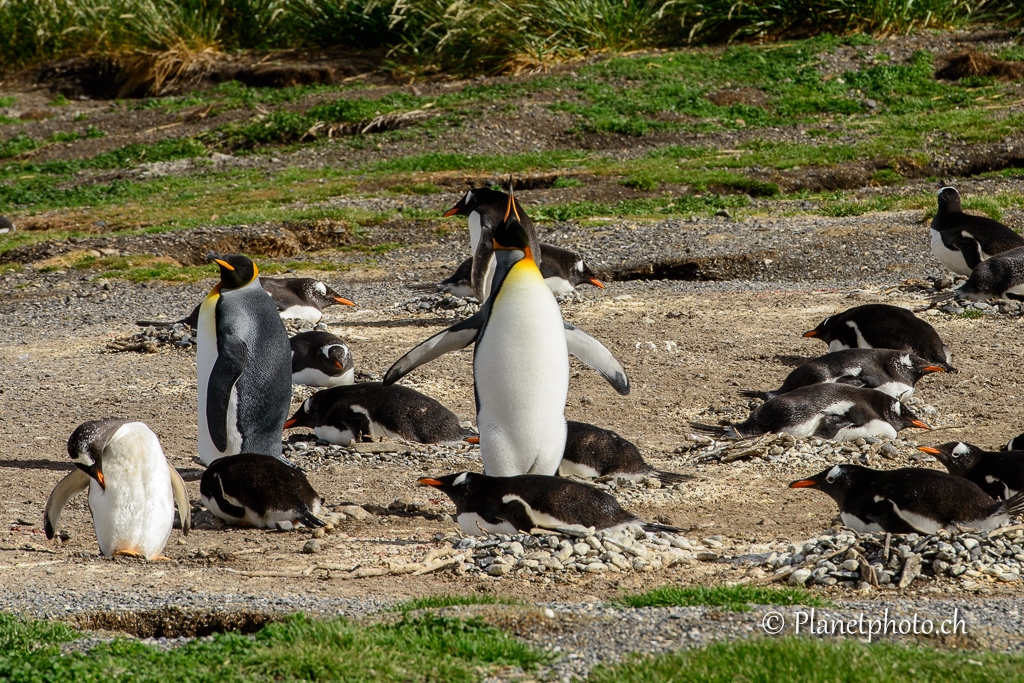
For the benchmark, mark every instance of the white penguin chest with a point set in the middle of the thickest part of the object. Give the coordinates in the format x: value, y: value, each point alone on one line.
x: 952, y: 259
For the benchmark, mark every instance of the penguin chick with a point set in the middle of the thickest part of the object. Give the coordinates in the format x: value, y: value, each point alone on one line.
x: 341, y: 414
x: 891, y: 372
x: 508, y: 505
x: 961, y: 241
x: 302, y: 298
x: 132, y: 488
x: 909, y: 500
x: 881, y: 326
x: 594, y: 452
x: 998, y: 277
x: 321, y: 359
x: 828, y: 411
x: 1000, y: 475
x: 257, y: 490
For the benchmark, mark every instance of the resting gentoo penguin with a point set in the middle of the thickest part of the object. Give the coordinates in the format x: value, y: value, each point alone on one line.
x: 594, y: 452
x: 881, y: 326
x: 520, y: 363
x: 6, y: 225
x: 508, y: 505
x: 1000, y: 475
x: 243, y: 366
x: 341, y: 414
x: 998, y: 277
x: 1016, y: 443
x: 891, y: 372
x: 909, y: 500
x: 260, y: 491
x: 302, y: 298
x: 829, y: 411
x: 132, y: 488
x: 321, y: 359
x: 962, y: 241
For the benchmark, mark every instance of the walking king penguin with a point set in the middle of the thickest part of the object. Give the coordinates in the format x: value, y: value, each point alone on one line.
x: 243, y: 366
x: 132, y: 488
x: 520, y: 364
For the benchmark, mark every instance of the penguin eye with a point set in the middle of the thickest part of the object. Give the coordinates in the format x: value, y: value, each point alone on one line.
x: 830, y: 480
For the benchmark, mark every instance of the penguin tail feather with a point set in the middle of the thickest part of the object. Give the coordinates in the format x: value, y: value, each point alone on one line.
x: 717, y: 431
x: 654, y: 528
x: 307, y: 518
x: 1012, y: 506
x: 671, y: 477
x: 429, y: 288
x: 944, y: 296
x: 745, y: 393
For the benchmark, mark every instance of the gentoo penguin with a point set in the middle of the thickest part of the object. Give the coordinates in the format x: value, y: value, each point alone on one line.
x: 891, y: 372
x: 260, y: 491
x: 1000, y: 475
x: 132, y: 488
x: 962, y: 241
x: 881, y: 326
x: 562, y: 269
x: 829, y: 411
x: 321, y: 359
x: 486, y: 209
x: 6, y: 225
x: 1016, y: 443
x: 594, y: 452
x: 302, y: 298
x: 341, y: 414
x: 520, y: 363
x: 998, y: 277
x: 243, y: 366
x: 909, y: 500
x: 508, y: 505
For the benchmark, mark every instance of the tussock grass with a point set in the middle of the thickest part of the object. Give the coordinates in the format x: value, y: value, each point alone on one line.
x: 734, y: 598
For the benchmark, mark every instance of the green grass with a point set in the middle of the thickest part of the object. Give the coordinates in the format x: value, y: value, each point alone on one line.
x: 734, y: 598
x: 811, y: 660
x: 438, y: 601
x: 19, y: 637
x: 972, y: 314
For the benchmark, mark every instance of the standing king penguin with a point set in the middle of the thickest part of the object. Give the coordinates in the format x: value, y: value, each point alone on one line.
x: 243, y: 366
x: 520, y: 364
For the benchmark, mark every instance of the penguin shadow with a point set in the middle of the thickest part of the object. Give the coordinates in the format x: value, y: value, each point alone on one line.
x: 794, y: 361
x: 414, y: 322
x: 37, y: 465
x: 191, y: 474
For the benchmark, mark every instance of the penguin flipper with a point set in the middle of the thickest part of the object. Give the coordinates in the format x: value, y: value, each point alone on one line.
x: 851, y: 381
x: 456, y: 337
x: 232, y: 354
x: 594, y: 354
x: 181, y: 500
x: 67, y: 488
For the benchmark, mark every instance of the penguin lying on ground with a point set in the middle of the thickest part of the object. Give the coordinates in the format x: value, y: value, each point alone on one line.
x: 132, y: 488
x: 999, y: 277
x: 508, y: 505
x: 341, y: 414
x: 1000, y: 475
x: 520, y: 362
x: 962, y: 241
x: 6, y: 225
x: 828, y: 411
x: 594, y: 452
x: 321, y: 359
x: 891, y: 372
x: 260, y: 491
x: 909, y: 500
x: 881, y: 326
x: 243, y: 366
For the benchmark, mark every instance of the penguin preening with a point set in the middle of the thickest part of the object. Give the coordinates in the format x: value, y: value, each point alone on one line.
x: 830, y: 411
x: 891, y: 372
x: 341, y: 414
x: 999, y: 474
x: 961, y: 241
x: 321, y: 359
x: 998, y: 277
x: 520, y: 363
x: 258, y: 490
x: 243, y: 366
x: 881, y: 326
x: 508, y: 505
x: 909, y: 500
x: 595, y: 452
x: 132, y: 488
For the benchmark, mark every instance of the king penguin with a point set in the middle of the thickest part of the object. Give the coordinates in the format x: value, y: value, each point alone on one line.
x: 520, y: 364
x: 243, y: 366
x: 132, y: 488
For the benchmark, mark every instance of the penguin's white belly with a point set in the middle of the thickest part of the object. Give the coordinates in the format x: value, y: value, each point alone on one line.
x: 954, y: 260
x: 1016, y: 289
x: 568, y: 468
x: 206, y: 357
x: 559, y: 285
x: 521, y: 373
x: 874, y: 428
x: 311, y: 377
x: 310, y: 314
x: 473, y: 524
x: 461, y: 291
x: 859, y: 525
x: 335, y: 435
x: 898, y: 390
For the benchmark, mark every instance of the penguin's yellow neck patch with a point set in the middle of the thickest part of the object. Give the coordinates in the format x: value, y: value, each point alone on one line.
x: 214, y: 293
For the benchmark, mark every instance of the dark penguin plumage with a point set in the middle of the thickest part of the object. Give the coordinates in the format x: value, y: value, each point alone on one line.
x: 828, y: 411
x: 507, y: 505
x: 243, y: 364
x: 999, y: 277
x: 962, y: 241
x: 594, y: 452
x: 321, y: 359
x: 340, y: 414
x: 909, y: 500
x: 6, y: 225
x: 302, y: 298
x: 1016, y: 443
x: 891, y: 372
x: 260, y: 491
x: 1000, y: 475
x: 881, y: 326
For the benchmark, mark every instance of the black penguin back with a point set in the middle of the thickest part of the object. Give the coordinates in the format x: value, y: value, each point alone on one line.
x: 259, y: 483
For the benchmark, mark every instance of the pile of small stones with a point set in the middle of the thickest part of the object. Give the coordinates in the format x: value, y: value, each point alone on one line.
x: 445, y: 305
x: 151, y: 339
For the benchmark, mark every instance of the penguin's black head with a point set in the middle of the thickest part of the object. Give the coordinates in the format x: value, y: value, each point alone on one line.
x: 821, y: 331
x: 235, y: 270
x: 339, y: 355
x: 322, y: 295
x: 835, y: 481
x: 899, y: 416
x: 916, y: 367
x: 86, y: 444
x: 305, y: 416
x: 511, y: 234
x: 581, y: 272
x: 476, y: 199
x: 455, y: 486
x: 957, y: 457
x: 949, y: 200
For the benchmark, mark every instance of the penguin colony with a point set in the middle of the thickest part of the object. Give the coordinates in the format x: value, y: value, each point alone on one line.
x: 246, y: 366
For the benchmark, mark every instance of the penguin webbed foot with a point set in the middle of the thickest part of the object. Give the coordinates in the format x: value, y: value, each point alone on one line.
x: 671, y: 477
x: 128, y: 553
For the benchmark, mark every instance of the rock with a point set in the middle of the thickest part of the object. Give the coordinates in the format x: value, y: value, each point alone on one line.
x: 312, y: 547
x: 799, y: 577
x: 707, y: 556
x: 497, y: 569
x: 911, y: 570
x: 353, y: 512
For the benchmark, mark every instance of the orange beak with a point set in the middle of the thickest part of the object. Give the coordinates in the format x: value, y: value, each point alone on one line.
x: 918, y: 423
x: 812, y: 333
x: 343, y: 301
x: 290, y: 422
x: 101, y: 480
x: 340, y: 367
x: 934, y: 368
x: 929, y: 449
x: 597, y: 283
x: 223, y: 263
x: 430, y: 482
x: 451, y: 212
x: 803, y: 483
x: 472, y: 439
